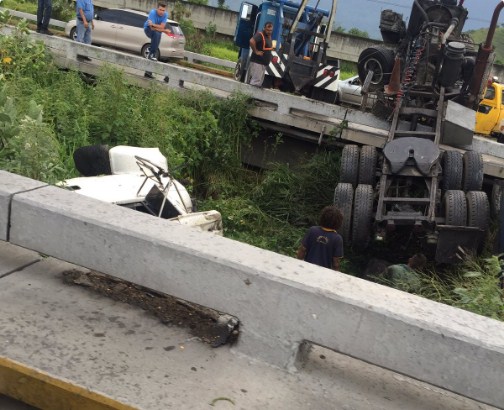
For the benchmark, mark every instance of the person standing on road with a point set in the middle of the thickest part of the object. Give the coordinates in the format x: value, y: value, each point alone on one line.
x: 85, y: 16
x: 261, y: 46
x: 44, y: 10
x: 323, y: 245
x: 153, y: 28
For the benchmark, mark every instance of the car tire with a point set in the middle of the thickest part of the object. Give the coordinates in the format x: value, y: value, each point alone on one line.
x: 146, y: 50
x: 73, y: 34
x: 380, y: 60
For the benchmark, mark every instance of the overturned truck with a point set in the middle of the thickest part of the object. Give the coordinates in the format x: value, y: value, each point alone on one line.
x: 429, y: 79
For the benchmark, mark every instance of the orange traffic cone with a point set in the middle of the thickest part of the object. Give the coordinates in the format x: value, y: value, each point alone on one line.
x: 394, y: 85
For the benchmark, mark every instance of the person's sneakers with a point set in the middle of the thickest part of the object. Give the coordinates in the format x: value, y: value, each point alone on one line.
x: 46, y: 32
x: 148, y: 75
x: 152, y: 58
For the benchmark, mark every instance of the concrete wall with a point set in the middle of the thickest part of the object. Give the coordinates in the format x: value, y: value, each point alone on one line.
x: 281, y: 302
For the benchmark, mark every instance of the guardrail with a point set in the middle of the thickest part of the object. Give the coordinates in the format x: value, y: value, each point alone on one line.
x: 283, y: 304
x: 200, y: 58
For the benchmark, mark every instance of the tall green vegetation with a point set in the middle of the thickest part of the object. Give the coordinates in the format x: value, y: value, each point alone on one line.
x: 46, y: 113
x: 200, y: 131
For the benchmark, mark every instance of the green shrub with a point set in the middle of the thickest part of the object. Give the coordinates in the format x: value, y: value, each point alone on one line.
x: 297, y: 195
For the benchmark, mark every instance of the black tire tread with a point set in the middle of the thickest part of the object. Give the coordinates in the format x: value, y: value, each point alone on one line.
x: 455, y: 208
x: 452, y: 171
x: 343, y: 199
x: 478, y: 209
x: 473, y: 171
x: 367, y: 165
x: 349, y: 169
x: 362, y: 215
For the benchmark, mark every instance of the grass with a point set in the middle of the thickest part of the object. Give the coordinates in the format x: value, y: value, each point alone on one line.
x: 479, y: 36
x: 222, y: 50
x: 24, y: 6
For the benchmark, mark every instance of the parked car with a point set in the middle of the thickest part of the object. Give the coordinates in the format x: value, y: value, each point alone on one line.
x: 349, y: 92
x: 123, y: 29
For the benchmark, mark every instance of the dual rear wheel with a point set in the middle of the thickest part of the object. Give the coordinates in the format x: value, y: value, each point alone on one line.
x: 467, y: 209
x: 354, y: 195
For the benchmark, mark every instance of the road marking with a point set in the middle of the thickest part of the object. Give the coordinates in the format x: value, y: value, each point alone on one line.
x: 39, y: 389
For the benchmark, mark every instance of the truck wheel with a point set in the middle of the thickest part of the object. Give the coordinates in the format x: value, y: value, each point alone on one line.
x: 455, y: 208
x: 367, y: 165
x: 496, y: 200
x: 472, y: 179
x: 239, y: 71
x: 349, y: 168
x: 362, y: 215
x: 478, y: 209
x: 380, y: 61
x: 452, y: 171
x: 343, y: 199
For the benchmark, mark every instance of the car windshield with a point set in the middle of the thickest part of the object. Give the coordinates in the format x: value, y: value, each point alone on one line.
x: 174, y: 28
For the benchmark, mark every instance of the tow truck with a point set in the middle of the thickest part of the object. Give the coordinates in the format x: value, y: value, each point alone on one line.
x: 300, y: 37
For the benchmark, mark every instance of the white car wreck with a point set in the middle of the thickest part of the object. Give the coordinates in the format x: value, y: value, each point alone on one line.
x: 139, y: 179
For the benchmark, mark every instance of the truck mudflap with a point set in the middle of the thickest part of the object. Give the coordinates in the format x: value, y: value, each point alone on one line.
x: 327, y: 75
x: 454, y: 241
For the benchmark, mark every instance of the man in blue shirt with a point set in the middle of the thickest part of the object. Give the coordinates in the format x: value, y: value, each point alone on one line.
x: 153, y: 28
x: 323, y: 245
x: 85, y: 15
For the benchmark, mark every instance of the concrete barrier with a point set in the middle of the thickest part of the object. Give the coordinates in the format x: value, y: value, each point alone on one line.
x: 281, y: 302
x: 10, y: 186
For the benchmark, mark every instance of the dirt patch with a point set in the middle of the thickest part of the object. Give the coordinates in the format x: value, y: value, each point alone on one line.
x: 212, y: 327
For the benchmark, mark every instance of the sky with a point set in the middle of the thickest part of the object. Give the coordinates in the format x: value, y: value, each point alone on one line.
x: 349, y: 12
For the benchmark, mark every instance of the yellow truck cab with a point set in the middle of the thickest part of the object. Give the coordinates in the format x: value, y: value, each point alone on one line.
x: 490, y: 115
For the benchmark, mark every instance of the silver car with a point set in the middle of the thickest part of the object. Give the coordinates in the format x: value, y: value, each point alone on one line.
x: 123, y: 29
x: 349, y: 92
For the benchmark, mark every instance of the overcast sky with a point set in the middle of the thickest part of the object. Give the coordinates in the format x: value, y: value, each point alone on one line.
x: 349, y: 13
